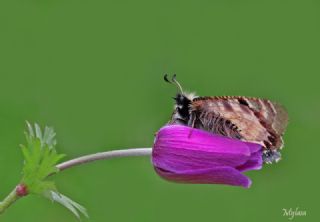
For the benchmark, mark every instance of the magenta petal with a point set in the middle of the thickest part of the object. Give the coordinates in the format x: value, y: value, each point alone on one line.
x: 204, y: 148
x: 188, y: 155
x: 201, y: 140
x: 254, y: 163
x: 214, y: 175
x: 254, y: 147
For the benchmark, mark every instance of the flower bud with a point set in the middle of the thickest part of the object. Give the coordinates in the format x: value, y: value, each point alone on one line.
x: 21, y: 190
x: 188, y: 155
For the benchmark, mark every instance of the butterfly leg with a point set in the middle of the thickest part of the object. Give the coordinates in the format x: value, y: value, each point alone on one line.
x: 191, y: 123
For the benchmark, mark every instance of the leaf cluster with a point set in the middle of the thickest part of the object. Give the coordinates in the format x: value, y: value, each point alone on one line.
x: 40, y: 160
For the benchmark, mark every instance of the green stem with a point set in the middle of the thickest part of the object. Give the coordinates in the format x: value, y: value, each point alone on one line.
x: 10, y: 199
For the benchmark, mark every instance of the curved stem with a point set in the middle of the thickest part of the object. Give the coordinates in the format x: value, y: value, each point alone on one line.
x: 10, y: 199
x: 103, y: 156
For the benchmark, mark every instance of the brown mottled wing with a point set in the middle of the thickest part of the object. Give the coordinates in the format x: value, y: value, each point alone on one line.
x: 281, y: 119
x: 256, y: 120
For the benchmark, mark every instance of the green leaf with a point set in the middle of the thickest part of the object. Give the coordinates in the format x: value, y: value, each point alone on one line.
x: 65, y: 201
x: 40, y: 160
x: 40, y: 156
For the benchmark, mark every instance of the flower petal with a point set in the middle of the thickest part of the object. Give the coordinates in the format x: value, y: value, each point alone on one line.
x: 254, y: 147
x: 214, y: 175
x: 184, y: 148
x: 188, y: 155
x: 201, y: 140
x: 254, y: 163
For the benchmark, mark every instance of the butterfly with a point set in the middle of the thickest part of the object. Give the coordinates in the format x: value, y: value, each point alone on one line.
x: 245, y: 118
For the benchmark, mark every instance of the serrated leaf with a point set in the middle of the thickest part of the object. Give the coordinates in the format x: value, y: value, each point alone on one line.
x: 48, y: 137
x: 26, y: 153
x: 30, y: 130
x: 40, y: 160
x: 40, y: 154
x: 65, y: 201
x: 38, y: 132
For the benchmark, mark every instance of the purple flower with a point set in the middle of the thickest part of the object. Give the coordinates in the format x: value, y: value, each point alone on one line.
x: 188, y: 155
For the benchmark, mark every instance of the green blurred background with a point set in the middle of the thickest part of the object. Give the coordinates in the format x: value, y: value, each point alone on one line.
x: 93, y: 70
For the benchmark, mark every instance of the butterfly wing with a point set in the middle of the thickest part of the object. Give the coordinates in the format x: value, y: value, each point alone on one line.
x: 250, y: 119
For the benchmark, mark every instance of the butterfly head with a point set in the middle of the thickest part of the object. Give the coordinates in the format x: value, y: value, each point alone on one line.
x: 183, y: 101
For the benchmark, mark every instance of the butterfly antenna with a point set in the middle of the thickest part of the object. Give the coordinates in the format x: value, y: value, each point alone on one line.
x: 177, y: 83
x: 165, y: 77
x: 173, y: 81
